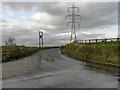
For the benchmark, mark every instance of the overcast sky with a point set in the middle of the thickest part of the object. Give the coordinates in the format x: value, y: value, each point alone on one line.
x: 23, y: 20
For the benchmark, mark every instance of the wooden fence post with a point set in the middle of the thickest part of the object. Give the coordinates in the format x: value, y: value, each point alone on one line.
x: 118, y: 39
x: 105, y: 41
x: 96, y: 40
x: 89, y: 41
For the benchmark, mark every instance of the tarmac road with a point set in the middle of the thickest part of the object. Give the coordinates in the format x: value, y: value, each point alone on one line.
x: 54, y: 70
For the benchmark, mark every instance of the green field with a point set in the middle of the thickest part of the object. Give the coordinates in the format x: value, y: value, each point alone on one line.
x: 11, y: 53
x: 106, y: 53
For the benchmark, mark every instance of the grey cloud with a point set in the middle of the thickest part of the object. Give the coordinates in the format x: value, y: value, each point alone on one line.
x: 94, y: 15
x: 92, y: 35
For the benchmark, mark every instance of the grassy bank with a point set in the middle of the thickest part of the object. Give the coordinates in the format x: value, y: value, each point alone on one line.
x: 11, y: 53
x: 105, y: 53
x: 0, y: 54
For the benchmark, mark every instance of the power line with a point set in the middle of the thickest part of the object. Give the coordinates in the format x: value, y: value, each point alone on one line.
x: 73, y: 22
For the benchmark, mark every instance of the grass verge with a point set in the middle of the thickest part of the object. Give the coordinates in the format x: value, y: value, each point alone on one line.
x: 104, y: 53
x: 12, y: 53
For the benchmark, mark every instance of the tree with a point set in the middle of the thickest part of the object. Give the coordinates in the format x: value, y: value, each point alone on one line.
x: 10, y: 42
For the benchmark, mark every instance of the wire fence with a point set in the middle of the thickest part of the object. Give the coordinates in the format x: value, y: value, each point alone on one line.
x: 97, y: 40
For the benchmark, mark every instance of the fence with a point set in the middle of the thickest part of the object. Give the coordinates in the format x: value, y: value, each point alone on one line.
x: 97, y: 40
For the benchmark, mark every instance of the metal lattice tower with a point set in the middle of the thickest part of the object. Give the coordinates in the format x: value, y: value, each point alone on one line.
x: 73, y: 22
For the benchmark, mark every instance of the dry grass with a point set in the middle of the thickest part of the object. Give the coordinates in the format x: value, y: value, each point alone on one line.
x: 11, y: 53
x: 103, y: 53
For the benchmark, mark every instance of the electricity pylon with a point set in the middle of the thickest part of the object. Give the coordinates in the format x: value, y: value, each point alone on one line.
x: 73, y: 22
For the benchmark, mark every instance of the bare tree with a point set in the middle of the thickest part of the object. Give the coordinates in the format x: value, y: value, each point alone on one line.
x: 10, y: 42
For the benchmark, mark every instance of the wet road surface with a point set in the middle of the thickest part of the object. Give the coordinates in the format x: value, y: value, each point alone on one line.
x: 59, y: 71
